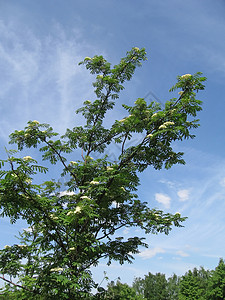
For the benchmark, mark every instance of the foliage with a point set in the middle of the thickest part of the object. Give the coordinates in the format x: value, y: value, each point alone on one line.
x: 216, y: 290
x: 194, y: 284
x: 152, y: 286
x: 120, y: 291
x: 72, y: 227
x: 173, y: 285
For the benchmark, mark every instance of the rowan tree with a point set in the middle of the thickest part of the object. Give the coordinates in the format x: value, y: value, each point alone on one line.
x: 72, y: 227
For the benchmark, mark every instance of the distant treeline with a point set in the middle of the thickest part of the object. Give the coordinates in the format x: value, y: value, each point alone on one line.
x: 196, y: 284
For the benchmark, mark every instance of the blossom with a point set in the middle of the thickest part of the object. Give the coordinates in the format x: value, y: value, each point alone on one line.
x: 7, y: 246
x: 181, y: 93
x: 71, y: 212
x: 35, y: 122
x: 56, y: 270
x: 22, y: 246
x: 72, y: 249
x: 185, y: 76
x: 121, y: 121
x: 122, y: 188
x: 94, y: 182
x: 136, y: 49
x: 165, y: 125
x: 73, y: 163
x: 14, y: 175
x: 154, y: 115
x: 27, y: 157
x: 28, y: 180
x: 77, y: 210
x: 53, y: 217
x: 109, y: 168
x: 100, y: 76
x: 85, y: 197
x: 88, y: 102
x: 149, y: 135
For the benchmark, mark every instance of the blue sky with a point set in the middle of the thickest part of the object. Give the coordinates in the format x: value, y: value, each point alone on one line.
x: 41, y: 43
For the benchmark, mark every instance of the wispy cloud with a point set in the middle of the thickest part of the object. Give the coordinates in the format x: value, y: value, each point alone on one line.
x: 163, y: 199
x: 182, y: 253
x: 183, y: 195
x: 149, y: 253
x: 40, y: 77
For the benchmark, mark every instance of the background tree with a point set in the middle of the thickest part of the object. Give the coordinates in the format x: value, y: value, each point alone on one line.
x: 216, y: 290
x: 173, y: 283
x: 72, y: 227
x: 152, y: 287
x: 121, y: 291
x: 194, y: 284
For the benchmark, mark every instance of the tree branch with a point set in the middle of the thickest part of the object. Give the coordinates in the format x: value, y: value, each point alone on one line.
x: 18, y: 285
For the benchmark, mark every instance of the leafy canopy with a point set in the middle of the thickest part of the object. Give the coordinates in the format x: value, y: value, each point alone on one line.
x: 72, y: 227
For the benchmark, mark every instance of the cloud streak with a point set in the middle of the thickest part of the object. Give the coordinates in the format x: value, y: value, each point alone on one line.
x: 40, y: 78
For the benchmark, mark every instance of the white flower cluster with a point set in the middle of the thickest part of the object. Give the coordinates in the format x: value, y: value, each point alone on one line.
x: 56, y: 270
x: 154, y: 115
x: 22, y: 246
x: 53, y: 217
x: 185, y: 76
x: 73, y: 163
x: 76, y: 211
x: 94, y: 182
x: 72, y: 249
x: 165, y: 125
x: 26, y: 158
x: 33, y: 123
x: 109, y: 168
x: 28, y: 180
x: 121, y: 121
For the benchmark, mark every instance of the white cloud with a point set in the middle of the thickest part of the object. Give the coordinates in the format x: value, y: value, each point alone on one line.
x: 164, y: 199
x: 149, y: 253
x: 66, y: 193
x: 183, y: 195
x: 182, y: 253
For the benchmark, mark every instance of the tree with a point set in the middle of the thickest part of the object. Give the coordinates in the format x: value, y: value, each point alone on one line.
x: 121, y: 291
x: 173, y: 283
x: 152, y: 287
x: 72, y: 227
x: 194, y: 284
x: 217, y: 282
